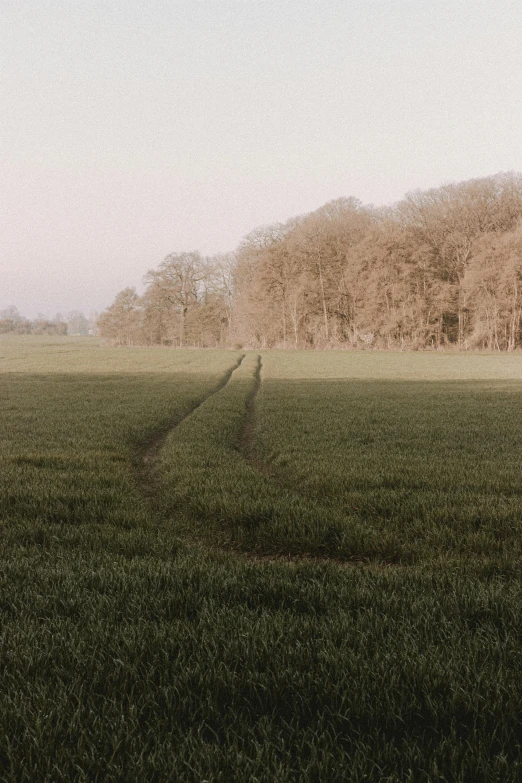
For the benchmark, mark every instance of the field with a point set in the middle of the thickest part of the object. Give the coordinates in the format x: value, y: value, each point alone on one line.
x: 286, y: 566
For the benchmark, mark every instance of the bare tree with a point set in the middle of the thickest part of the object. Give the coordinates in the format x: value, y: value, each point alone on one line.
x: 440, y: 268
x: 121, y: 322
x: 178, y: 280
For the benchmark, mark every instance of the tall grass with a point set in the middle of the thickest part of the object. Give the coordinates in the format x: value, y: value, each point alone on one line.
x: 134, y: 648
x: 391, y: 470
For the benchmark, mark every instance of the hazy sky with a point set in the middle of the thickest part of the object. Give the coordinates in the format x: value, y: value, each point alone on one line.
x: 131, y: 129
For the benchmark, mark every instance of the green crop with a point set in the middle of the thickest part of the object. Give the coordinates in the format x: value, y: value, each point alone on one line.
x: 307, y: 573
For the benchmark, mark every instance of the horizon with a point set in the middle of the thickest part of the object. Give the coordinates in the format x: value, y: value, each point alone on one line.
x: 134, y: 132
x: 93, y: 312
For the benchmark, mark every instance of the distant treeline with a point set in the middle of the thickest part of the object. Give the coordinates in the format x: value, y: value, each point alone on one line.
x: 74, y: 323
x: 442, y: 268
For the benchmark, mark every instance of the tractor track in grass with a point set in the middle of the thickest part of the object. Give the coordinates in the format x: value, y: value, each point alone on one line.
x: 147, y: 453
x: 247, y: 452
x: 246, y: 448
x: 246, y: 439
x: 147, y: 479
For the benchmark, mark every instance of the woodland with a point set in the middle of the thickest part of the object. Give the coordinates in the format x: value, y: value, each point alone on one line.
x: 12, y: 322
x: 441, y: 269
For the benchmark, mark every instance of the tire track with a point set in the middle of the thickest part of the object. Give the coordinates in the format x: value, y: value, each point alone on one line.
x: 246, y: 442
x: 246, y: 439
x: 147, y: 453
x: 246, y: 448
x: 147, y: 479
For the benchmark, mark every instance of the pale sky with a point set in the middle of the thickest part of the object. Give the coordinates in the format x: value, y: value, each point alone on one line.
x: 131, y: 129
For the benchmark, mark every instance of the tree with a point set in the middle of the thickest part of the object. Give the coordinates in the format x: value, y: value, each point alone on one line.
x: 121, y: 323
x: 494, y: 285
x: 321, y: 242
x: 77, y: 323
x: 441, y: 267
x: 178, y: 281
x: 449, y: 220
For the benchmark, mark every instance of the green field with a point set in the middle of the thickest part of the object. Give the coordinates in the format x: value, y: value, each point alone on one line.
x: 231, y: 566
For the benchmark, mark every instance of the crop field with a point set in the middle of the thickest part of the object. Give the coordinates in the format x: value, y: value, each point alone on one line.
x: 280, y: 566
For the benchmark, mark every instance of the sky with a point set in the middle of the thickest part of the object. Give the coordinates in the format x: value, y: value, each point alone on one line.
x: 131, y: 129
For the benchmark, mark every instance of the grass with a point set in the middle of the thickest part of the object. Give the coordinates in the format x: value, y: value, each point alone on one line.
x: 138, y: 643
x: 433, y: 467
x: 385, y: 470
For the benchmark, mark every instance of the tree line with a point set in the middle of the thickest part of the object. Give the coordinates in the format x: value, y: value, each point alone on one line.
x: 12, y: 322
x: 441, y: 268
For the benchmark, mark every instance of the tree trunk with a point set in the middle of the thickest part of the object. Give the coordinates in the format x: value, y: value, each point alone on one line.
x: 182, y: 327
x: 323, y: 301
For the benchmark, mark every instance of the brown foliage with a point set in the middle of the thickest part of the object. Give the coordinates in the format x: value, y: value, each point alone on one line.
x: 441, y: 268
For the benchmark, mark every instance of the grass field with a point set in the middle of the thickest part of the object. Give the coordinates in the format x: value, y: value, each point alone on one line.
x: 225, y: 566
